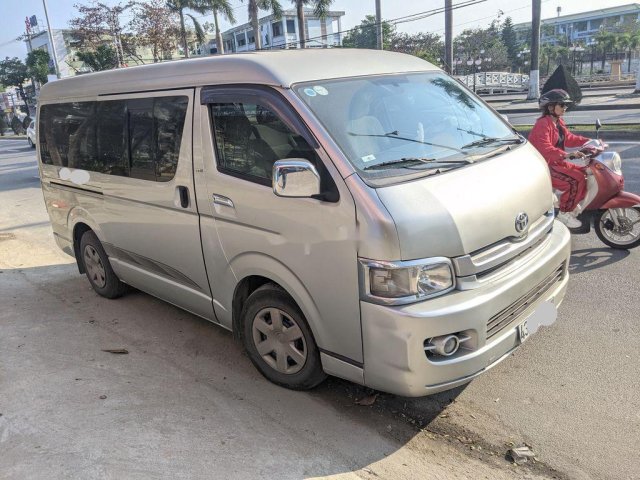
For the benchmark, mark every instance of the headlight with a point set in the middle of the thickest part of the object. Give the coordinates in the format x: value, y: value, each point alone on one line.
x: 614, y: 162
x: 397, y: 283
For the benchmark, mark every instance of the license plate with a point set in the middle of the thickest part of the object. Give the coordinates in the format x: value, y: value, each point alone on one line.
x: 544, y: 315
x: 523, y: 331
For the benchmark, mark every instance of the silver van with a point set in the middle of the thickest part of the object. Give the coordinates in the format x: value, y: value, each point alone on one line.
x: 344, y: 212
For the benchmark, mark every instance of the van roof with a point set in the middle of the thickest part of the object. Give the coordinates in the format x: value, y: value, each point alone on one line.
x: 275, y: 67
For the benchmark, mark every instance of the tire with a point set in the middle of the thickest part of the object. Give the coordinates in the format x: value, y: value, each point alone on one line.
x: 31, y: 144
x: 628, y: 236
x: 279, y: 341
x: 98, y: 269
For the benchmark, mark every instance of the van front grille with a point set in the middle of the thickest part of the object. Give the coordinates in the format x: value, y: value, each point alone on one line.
x: 504, y: 318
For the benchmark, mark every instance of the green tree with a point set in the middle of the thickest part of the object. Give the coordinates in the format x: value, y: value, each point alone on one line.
x: 38, y: 65
x: 14, y: 73
x: 224, y: 8
x: 510, y: 40
x: 607, y: 41
x: 179, y: 7
x: 102, y: 58
x: 320, y: 8
x: 364, y: 35
x: 428, y: 46
x: 482, y: 43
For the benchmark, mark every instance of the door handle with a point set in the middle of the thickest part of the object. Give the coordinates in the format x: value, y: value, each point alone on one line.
x: 184, y: 196
x: 222, y: 200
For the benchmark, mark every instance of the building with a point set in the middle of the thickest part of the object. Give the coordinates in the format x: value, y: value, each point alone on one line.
x: 581, y: 28
x: 283, y: 32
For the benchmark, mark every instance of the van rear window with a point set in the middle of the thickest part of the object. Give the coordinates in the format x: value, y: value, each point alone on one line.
x: 138, y: 138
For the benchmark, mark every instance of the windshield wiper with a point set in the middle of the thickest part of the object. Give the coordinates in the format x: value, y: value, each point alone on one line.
x: 409, y: 162
x: 483, y: 142
x: 394, y: 134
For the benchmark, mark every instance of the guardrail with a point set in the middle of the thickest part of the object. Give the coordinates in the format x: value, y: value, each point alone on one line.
x: 496, y: 81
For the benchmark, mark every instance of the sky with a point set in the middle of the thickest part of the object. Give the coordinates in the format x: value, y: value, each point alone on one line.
x: 480, y: 15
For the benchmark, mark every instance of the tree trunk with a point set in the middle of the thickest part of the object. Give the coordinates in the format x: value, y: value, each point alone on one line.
x: 183, y: 32
x: 301, y: 30
x: 253, y: 14
x: 448, y: 36
x: 629, y: 63
x: 604, y: 58
x: 218, y: 33
x: 637, y: 90
x: 534, y: 75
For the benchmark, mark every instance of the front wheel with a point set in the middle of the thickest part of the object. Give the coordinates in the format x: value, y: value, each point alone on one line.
x: 626, y: 234
x: 279, y: 341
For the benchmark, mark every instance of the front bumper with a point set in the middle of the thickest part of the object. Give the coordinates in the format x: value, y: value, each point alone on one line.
x: 394, y: 337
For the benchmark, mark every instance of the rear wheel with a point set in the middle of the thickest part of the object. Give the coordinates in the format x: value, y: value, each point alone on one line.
x: 98, y: 269
x: 626, y: 234
x: 279, y: 341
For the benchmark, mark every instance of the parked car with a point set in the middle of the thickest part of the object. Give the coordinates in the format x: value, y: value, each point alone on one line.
x: 345, y: 212
x: 31, y: 134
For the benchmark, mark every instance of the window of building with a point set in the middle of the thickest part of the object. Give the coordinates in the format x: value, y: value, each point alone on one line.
x: 277, y: 29
x: 252, y: 38
x: 240, y: 40
x: 291, y: 26
x: 249, y: 138
x: 580, y: 26
x: 140, y: 138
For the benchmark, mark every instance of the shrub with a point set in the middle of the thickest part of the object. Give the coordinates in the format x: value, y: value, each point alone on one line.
x: 561, y: 78
x: 16, y: 126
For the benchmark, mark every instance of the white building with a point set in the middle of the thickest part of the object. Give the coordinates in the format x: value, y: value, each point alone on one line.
x: 283, y: 32
x: 583, y: 27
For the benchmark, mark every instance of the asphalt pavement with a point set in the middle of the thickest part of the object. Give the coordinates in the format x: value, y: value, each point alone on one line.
x: 186, y: 402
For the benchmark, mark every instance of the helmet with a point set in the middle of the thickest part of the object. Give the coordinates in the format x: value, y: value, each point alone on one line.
x: 557, y: 95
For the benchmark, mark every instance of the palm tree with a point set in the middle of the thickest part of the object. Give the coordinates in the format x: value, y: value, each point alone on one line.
x: 223, y: 7
x: 321, y: 8
x: 178, y: 6
x: 266, y: 5
x: 608, y: 42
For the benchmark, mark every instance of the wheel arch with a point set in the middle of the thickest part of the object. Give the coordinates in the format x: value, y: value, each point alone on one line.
x: 79, y: 222
x: 254, y: 270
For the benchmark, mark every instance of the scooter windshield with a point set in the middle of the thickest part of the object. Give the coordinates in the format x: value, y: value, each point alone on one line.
x: 384, y: 123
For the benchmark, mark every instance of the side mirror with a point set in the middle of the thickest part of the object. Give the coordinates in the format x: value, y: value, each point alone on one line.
x: 295, y: 177
x: 598, y: 126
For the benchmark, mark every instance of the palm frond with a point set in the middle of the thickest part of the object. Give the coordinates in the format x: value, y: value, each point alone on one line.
x: 322, y: 8
x: 200, y: 35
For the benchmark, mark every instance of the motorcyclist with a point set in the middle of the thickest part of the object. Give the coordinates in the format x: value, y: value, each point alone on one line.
x: 550, y: 136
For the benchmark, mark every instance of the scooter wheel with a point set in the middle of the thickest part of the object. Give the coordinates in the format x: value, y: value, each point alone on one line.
x: 623, y: 237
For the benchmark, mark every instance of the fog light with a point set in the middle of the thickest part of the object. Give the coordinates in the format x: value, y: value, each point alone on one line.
x: 446, y: 345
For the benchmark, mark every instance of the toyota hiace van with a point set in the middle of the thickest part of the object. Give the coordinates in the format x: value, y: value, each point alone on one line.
x: 344, y: 212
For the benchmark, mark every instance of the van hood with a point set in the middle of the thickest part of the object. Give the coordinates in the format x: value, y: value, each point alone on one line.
x: 463, y: 210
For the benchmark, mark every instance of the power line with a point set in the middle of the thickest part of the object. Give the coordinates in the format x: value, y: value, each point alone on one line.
x: 394, y: 21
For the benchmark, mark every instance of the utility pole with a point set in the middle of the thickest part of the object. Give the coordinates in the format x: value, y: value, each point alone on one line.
x: 448, y: 36
x: 53, y: 45
x: 534, y: 75
x: 379, y: 39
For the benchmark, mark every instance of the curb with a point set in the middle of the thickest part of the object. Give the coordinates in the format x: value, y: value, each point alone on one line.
x: 612, y: 135
x: 13, y: 137
x: 583, y: 108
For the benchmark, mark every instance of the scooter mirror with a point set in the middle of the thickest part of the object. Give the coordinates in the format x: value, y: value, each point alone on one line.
x: 598, y: 126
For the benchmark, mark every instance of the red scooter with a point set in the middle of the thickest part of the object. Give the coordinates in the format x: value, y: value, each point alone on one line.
x: 614, y: 213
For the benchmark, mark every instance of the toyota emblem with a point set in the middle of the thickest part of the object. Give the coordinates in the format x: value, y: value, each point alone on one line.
x: 522, y: 222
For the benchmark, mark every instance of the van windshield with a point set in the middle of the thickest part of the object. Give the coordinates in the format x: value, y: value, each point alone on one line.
x: 406, y: 124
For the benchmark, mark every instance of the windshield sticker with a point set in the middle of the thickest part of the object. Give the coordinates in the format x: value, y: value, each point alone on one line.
x: 310, y: 92
x: 368, y: 158
x: 321, y: 90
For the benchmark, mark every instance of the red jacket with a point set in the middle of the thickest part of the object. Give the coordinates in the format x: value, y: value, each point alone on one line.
x: 544, y: 136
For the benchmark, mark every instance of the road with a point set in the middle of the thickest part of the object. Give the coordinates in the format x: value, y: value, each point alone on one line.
x: 607, y: 117
x: 186, y: 402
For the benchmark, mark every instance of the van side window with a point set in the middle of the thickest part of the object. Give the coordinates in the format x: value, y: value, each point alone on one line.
x: 140, y: 138
x: 249, y: 138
